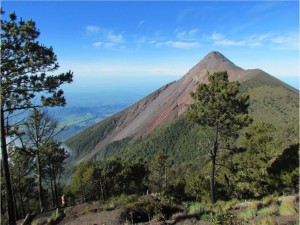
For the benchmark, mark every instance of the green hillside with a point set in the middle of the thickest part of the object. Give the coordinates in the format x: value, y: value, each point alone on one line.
x: 272, y: 100
x: 184, y: 142
x: 179, y: 138
x: 85, y: 141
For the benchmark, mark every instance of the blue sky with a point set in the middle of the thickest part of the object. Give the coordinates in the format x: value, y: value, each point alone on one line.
x: 140, y: 44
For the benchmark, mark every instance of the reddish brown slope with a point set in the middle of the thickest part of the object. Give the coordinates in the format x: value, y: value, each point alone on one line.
x: 166, y: 103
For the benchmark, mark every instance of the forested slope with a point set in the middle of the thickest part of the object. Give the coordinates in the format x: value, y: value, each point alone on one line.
x: 165, y: 128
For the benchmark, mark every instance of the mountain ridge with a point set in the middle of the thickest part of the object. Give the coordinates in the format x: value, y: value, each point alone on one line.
x: 165, y: 104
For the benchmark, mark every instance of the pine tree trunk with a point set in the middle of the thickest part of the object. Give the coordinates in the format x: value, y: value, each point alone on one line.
x: 28, y: 201
x: 22, y: 205
x: 102, y: 189
x: 55, y: 187
x: 8, y: 188
x: 212, y: 179
x: 52, y: 192
x: 39, y: 174
x: 166, y: 177
x: 213, y: 165
x: 16, y: 205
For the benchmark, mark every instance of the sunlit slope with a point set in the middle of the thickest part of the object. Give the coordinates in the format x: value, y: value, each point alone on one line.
x: 159, y: 115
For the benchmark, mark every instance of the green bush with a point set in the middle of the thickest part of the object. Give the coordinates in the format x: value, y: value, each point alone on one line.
x: 161, y: 208
x: 270, y: 199
x: 197, y: 208
x: 287, y: 209
x: 247, y: 214
x: 269, y: 210
x: 268, y: 221
x: 120, y: 201
x: 55, y: 217
x: 225, y: 218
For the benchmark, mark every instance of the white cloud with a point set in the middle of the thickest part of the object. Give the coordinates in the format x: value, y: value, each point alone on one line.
x: 116, y: 38
x: 280, y: 40
x: 104, y: 44
x: 177, y: 44
x: 288, y: 41
x: 186, y: 34
x: 220, y: 39
x: 181, y: 44
x: 105, y: 37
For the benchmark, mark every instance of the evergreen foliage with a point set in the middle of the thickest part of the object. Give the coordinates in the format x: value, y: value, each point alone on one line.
x: 103, y: 180
x: 40, y: 129
x: 284, y: 171
x: 283, y: 113
x: 264, y: 166
x: 26, y: 69
x: 53, y: 161
x: 173, y: 159
x: 82, y: 181
x: 89, y: 138
x: 219, y: 106
x: 21, y: 165
x: 250, y: 172
x: 184, y: 146
x: 179, y: 138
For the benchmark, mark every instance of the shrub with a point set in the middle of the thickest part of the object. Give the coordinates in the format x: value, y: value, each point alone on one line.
x: 287, y: 209
x: 120, y: 201
x: 196, y: 208
x: 134, y: 215
x: 41, y: 221
x: 247, y: 214
x: 161, y: 208
x: 269, y: 210
x: 230, y: 204
x: 55, y: 217
x: 268, y: 200
x: 268, y: 221
x: 222, y: 218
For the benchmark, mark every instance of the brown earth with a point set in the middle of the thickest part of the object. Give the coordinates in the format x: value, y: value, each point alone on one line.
x: 93, y: 214
x: 92, y: 217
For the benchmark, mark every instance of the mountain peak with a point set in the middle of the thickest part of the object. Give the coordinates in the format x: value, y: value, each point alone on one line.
x: 166, y: 104
x: 215, y: 55
x: 213, y: 62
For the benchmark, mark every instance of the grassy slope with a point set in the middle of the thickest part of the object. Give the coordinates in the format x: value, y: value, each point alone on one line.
x: 270, y: 101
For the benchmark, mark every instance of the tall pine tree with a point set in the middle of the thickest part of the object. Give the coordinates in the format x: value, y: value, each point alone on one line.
x: 219, y: 106
x: 26, y: 69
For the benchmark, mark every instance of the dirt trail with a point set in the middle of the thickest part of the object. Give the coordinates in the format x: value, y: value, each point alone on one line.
x: 97, y: 218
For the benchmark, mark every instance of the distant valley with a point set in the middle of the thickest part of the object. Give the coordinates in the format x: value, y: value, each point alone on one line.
x: 90, y: 105
x: 75, y: 119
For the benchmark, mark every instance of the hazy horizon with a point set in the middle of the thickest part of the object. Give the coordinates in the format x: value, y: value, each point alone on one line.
x: 108, y: 44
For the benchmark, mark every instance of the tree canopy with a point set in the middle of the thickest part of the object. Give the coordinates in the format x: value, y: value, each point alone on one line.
x: 27, y: 68
x: 219, y: 106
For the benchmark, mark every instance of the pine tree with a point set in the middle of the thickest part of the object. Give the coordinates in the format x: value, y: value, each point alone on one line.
x: 54, y: 157
x: 219, y: 106
x: 40, y: 129
x: 26, y: 69
x: 21, y: 165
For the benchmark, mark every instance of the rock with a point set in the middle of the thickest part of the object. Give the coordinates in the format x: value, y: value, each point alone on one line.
x: 134, y: 215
